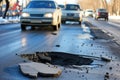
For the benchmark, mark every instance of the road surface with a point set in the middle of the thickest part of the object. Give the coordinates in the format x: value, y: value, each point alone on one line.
x: 71, y: 38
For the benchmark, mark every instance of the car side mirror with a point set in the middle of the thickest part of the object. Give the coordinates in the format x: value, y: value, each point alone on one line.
x: 81, y: 9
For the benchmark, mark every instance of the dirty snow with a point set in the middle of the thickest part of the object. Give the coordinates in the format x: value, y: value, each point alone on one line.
x: 9, y: 20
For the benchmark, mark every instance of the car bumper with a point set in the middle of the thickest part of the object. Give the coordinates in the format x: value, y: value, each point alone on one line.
x: 66, y: 18
x: 102, y: 16
x: 36, y: 21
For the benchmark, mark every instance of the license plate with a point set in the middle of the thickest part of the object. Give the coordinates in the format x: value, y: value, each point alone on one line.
x: 36, y: 21
x: 70, y: 17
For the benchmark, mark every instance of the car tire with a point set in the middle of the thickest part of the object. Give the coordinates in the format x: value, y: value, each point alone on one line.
x: 80, y: 22
x: 59, y: 25
x: 55, y: 27
x: 23, y: 27
x: 106, y: 19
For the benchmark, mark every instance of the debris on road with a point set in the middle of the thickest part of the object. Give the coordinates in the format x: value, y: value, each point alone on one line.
x: 106, y: 77
x: 57, y: 45
x: 43, y: 57
x: 105, y: 59
x: 34, y: 69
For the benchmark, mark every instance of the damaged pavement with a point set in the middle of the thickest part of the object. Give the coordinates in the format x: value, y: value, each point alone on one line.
x: 97, y: 64
x: 77, y: 53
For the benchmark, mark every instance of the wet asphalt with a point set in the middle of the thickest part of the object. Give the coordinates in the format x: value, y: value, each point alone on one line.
x: 71, y: 38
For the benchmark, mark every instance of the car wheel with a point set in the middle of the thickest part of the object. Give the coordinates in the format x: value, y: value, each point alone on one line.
x: 59, y: 25
x: 23, y: 27
x: 80, y: 22
x: 55, y: 27
x: 106, y: 19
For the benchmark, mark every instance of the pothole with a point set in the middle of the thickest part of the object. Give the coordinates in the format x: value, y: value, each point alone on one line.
x: 57, y: 58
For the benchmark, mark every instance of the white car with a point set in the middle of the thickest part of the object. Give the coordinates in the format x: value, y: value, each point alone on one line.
x: 72, y: 12
x: 89, y: 12
x: 41, y: 13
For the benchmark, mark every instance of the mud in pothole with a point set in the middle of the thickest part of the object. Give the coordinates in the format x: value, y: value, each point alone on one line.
x: 57, y: 58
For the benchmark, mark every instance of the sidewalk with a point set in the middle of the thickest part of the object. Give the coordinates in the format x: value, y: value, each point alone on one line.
x: 114, y: 20
x: 114, y: 17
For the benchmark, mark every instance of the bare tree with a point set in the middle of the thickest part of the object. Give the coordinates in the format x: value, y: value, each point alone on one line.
x: 90, y: 4
x: 113, y: 6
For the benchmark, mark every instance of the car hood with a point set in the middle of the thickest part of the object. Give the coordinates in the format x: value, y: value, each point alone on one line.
x: 40, y: 11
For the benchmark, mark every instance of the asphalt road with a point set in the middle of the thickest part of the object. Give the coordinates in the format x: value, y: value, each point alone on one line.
x: 71, y: 38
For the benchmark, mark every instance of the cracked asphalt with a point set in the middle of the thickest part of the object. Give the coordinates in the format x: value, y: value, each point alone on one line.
x: 71, y: 38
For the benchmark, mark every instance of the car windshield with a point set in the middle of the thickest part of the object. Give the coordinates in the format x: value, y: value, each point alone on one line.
x: 41, y: 4
x: 102, y: 10
x: 72, y: 7
x: 89, y: 11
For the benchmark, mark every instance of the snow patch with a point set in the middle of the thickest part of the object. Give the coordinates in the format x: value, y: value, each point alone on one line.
x: 9, y: 20
x: 114, y: 17
x: 85, y: 28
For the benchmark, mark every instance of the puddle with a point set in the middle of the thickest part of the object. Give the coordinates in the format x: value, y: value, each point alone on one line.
x: 57, y: 58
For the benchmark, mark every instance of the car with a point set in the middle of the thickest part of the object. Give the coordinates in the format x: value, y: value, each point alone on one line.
x: 89, y: 12
x: 72, y: 13
x: 41, y: 13
x: 101, y: 13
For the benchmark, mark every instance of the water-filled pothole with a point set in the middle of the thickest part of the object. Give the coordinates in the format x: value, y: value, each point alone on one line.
x: 58, y: 58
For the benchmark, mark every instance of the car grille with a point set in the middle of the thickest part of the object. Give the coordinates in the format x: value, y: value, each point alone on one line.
x: 70, y: 14
x: 36, y: 15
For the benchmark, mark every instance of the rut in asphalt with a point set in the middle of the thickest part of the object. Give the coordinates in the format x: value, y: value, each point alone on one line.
x: 97, y: 33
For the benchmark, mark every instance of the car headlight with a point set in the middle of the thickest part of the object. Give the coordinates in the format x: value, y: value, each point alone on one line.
x: 25, y: 15
x: 49, y: 15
